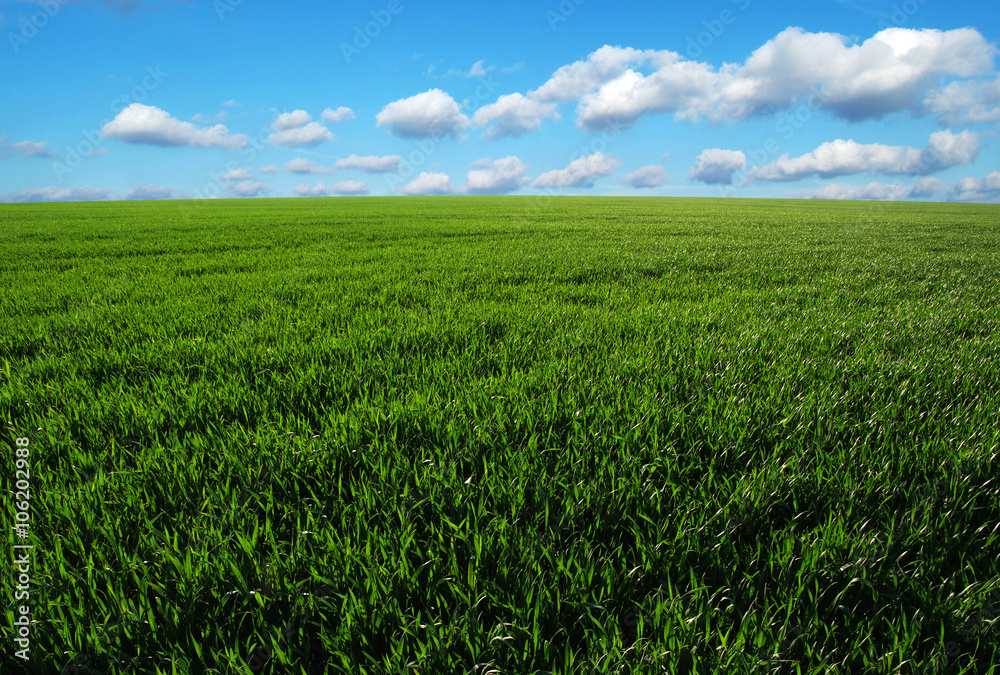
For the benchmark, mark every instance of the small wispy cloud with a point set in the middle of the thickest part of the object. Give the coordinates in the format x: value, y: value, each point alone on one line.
x: 150, y: 191
x: 302, y: 165
x: 341, y: 114
x: 25, y: 149
x: 477, y: 70
x: 82, y: 193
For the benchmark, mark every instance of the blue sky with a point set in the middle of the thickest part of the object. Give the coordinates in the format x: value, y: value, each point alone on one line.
x: 864, y: 99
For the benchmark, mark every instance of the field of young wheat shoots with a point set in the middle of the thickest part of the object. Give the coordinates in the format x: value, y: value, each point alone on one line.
x: 502, y: 435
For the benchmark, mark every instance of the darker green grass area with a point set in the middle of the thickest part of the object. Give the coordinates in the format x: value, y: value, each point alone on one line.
x: 504, y: 435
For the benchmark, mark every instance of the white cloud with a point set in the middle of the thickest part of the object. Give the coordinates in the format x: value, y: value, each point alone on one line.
x: 230, y: 103
x: 677, y: 87
x: 871, y: 191
x: 894, y: 70
x: 296, y: 129
x: 292, y: 120
x: 972, y: 189
x: 717, y: 167
x: 430, y: 114
x: 307, y: 190
x: 966, y: 102
x: 344, y: 187
x: 969, y: 189
x: 839, y: 158
x: 153, y: 192
x: 83, y: 193
x: 302, y: 165
x: 237, y: 174
x: 928, y: 186
x: 429, y: 184
x: 576, y: 79
x: 499, y: 177
x: 652, y: 176
x: 891, y: 71
x: 341, y: 114
x: 249, y: 188
x: 351, y: 187
x: 991, y: 182
x: 477, y: 70
x: 270, y: 168
x: 145, y: 124
x: 946, y: 149
x: 581, y: 172
x: 516, y: 114
x: 310, y: 135
x: 25, y: 149
x: 371, y: 163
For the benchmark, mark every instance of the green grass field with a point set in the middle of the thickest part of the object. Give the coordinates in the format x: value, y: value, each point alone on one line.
x: 503, y: 435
